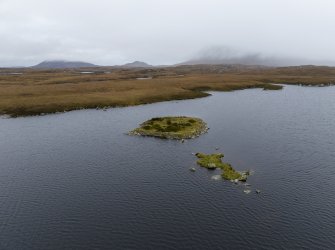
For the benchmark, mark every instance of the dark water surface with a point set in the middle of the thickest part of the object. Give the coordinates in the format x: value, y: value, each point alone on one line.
x: 76, y: 181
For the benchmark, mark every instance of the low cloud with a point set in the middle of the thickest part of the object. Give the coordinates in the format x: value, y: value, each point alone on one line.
x: 228, y: 55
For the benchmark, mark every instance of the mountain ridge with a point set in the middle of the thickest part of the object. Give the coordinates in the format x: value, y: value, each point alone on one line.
x: 136, y: 64
x: 60, y: 64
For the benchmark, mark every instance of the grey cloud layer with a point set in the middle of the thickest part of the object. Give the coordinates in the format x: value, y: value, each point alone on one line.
x: 162, y: 32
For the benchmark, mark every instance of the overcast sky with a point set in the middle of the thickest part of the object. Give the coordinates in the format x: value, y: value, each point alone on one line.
x: 109, y: 32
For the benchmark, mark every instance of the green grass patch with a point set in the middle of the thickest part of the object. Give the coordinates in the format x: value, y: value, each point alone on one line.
x: 172, y: 127
x: 272, y: 87
x: 214, y: 161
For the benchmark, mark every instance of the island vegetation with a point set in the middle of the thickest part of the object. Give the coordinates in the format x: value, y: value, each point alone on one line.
x: 28, y: 91
x: 214, y: 161
x: 172, y: 127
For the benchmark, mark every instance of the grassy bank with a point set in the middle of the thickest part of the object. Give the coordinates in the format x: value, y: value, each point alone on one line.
x: 37, y: 91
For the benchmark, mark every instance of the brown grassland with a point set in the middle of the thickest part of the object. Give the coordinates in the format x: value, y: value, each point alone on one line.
x: 36, y: 92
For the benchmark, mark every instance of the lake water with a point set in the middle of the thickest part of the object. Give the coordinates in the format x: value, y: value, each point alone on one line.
x: 77, y: 181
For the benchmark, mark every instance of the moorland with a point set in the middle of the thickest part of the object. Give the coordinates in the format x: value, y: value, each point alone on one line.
x: 28, y: 91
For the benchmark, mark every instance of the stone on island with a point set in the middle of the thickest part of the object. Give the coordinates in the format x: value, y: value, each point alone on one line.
x: 172, y: 127
x: 213, y: 161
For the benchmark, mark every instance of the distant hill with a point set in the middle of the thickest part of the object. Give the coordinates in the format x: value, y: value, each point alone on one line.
x: 59, y: 64
x: 136, y: 64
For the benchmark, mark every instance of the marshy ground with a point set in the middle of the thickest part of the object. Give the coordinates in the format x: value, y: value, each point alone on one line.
x: 26, y: 92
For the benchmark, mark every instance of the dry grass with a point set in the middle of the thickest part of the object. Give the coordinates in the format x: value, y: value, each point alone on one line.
x: 36, y: 92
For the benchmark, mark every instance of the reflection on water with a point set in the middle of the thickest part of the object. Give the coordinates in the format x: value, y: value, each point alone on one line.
x: 76, y: 180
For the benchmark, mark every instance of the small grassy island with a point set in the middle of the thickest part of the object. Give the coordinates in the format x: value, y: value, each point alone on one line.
x: 213, y: 161
x: 172, y: 127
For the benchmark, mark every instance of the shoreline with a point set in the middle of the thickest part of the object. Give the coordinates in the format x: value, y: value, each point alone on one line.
x: 37, y: 93
x: 17, y: 112
x: 105, y: 108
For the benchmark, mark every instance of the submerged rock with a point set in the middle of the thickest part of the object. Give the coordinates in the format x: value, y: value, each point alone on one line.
x: 243, y: 177
x: 258, y: 191
x: 216, y: 177
x: 250, y: 172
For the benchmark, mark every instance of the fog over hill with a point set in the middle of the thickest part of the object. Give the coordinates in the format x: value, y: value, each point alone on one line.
x: 227, y: 55
x: 214, y: 55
